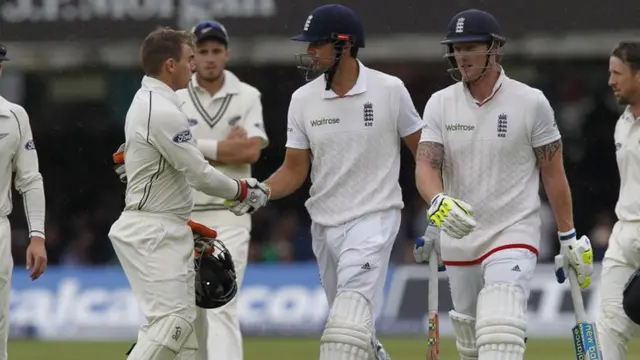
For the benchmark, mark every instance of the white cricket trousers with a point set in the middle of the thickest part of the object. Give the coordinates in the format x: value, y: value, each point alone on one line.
x: 355, y: 256
x: 510, y: 267
x: 156, y: 254
x: 218, y: 330
x: 6, y: 270
x: 621, y: 259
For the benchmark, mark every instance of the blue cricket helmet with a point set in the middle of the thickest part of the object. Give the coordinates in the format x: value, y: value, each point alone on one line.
x: 210, y: 30
x: 330, y: 23
x: 474, y: 25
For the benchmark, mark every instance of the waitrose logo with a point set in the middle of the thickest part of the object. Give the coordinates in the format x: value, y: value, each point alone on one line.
x: 459, y: 127
x: 325, y: 121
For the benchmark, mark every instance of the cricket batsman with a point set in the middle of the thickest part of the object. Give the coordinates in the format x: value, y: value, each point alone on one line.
x: 486, y: 142
x: 622, y: 257
x: 18, y: 154
x: 346, y: 125
x: 225, y: 115
x: 151, y: 238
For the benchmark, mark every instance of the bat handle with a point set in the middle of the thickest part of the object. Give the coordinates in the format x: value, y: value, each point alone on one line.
x: 576, y: 297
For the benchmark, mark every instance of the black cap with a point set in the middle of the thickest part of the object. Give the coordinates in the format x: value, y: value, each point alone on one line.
x: 212, y: 30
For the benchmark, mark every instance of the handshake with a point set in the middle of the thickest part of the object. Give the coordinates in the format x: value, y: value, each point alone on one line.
x: 252, y: 194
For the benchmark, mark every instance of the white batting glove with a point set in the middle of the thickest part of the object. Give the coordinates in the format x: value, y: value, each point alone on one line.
x: 252, y: 195
x: 427, y: 243
x: 452, y: 216
x: 118, y: 159
x: 576, y: 254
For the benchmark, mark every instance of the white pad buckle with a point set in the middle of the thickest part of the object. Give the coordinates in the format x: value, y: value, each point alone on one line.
x: 349, y: 333
x: 501, y: 323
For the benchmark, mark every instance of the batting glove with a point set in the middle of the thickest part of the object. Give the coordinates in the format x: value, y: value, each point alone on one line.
x: 578, y: 255
x: 452, y: 216
x: 118, y: 160
x: 427, y: 243
x: 252, y: 195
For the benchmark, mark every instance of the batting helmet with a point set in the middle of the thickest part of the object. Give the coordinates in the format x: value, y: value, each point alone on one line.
x: 631, y: 297
x: 336, y: 24
x: 215, y: 273
x: 3, y: 53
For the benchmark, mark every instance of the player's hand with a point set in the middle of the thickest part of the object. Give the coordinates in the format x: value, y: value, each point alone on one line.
x: 36, y: 257
x: 252, y: 196
x: 452, y: 216
x: 118, y: 160
x: 237, y: 132
x: 427, y: 243
x: 578, y: 255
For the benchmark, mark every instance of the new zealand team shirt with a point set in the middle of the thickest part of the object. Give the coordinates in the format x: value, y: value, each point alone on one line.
x: 627, y: 140
x: 490, y: 164
x: 354, y: 142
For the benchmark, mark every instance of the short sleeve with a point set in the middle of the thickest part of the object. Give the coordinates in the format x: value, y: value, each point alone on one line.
x: 296, y: 136
x: 253, y: 122
x: 545, y: 130
x: 432, y: 123
x: 409, y: 120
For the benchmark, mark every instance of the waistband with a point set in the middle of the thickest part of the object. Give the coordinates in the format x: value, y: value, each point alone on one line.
x: 161, y: 216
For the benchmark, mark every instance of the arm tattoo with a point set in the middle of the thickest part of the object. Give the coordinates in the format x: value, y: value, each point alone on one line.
x: 547, y: 152
x: 432, y: 153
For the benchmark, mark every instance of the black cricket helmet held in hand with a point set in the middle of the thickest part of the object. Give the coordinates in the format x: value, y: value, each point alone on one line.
x: 215, y: 274
x: 472, y: 26
x: 329, y: 24
x: 3, y: 53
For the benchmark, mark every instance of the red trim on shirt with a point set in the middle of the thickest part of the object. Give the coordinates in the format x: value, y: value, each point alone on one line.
x: 490, y: 97
x: 491, y: 252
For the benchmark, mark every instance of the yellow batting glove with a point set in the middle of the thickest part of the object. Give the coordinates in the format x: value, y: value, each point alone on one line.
x: 452, y: 216
x: 579, y: 253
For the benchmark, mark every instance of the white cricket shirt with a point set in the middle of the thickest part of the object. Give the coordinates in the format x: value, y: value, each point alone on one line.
x: 354, y: 142
x: 490, y: 164
x: 211, y: 118
x: 18, y: 154
x: 627, y: 139
x: 161, y: 158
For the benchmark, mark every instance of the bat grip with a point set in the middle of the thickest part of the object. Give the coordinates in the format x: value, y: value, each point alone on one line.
x: 576, y: 297
x: 433, y: 281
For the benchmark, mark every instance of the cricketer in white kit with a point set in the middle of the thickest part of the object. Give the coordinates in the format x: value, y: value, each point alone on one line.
x: 151, y: 238
x: 622, y: 257
x: 225, y: 115
x: 487, y: 140
x: 347, y: 126
x: 18, y: 155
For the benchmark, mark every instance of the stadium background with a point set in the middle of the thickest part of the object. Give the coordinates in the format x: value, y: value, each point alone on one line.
x: 74, y: 67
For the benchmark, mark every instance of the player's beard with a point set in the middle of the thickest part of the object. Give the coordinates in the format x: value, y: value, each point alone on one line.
x: 209, y: 76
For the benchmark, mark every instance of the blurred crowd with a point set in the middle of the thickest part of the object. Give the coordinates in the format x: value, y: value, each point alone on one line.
x: 75, y: 141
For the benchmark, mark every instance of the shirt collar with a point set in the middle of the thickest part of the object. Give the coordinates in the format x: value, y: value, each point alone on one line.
x: 496, y: 87
x: 359, y: 88
x: 629, y: 115
x: 231, y: 85
x: 155, y: 85
x: 4, y: 107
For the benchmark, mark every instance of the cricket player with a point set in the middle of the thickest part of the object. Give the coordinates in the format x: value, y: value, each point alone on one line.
x: 151, y: 238
x: 346, y: 126
x: 18, y: 154
x: 225, y: 115
x: 486, y: 141
x: 622, y: 257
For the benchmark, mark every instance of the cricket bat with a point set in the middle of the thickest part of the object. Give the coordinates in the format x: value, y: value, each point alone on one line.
x: 585, y: 339
x: 433, y: 337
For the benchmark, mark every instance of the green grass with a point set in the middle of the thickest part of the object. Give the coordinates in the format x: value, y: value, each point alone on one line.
x: 284, y: 349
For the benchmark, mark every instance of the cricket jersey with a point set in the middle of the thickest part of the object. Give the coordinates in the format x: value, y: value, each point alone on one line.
x: 18, y: 154
x: 489, y: 163
x: 161, y: 159
x: 211, y: 118
x: 354, y: 142
x: 627, y: 141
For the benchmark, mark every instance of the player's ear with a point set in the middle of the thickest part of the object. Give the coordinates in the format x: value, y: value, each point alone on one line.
x: 170, y: 65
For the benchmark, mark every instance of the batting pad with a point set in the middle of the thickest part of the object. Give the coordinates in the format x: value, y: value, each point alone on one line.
x: 165, y: 339
x: 501, y: 323
x: 348, y: 334
x: 465, y: 329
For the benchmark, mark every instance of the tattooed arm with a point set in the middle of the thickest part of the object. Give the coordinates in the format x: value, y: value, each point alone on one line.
x: 429, y: 159
x: 554, y: 179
